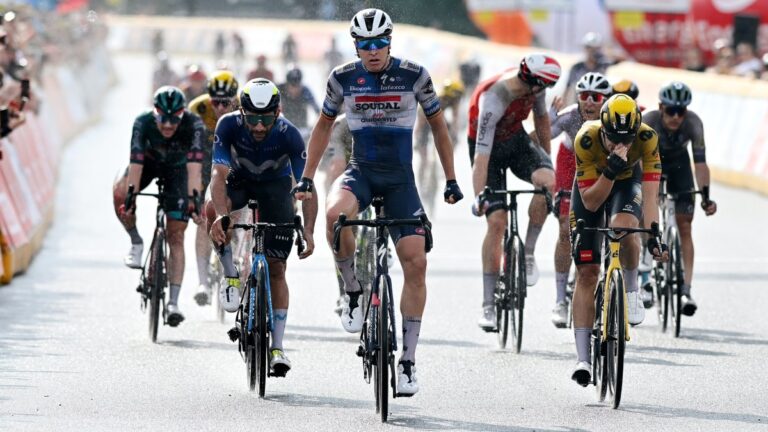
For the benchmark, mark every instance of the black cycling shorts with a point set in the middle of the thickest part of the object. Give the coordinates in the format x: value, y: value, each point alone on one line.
x: 521, y: 155
x: 175, y: 184
x: 625, y: 197
x: 275, y: 206
x: 680, y: 178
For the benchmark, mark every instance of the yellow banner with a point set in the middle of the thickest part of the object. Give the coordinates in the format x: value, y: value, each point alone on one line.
x: 628, y: 20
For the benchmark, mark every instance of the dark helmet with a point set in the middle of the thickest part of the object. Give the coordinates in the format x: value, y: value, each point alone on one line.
x: 169, y: 100
x: 293, y: 76
x: 675, y: 93
x: 260, y: 95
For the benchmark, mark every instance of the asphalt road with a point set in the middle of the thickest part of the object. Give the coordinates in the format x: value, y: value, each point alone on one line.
x: 74, y: 352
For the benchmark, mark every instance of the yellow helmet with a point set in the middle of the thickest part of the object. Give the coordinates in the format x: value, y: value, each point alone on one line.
x: 452, y: 89
x: 620, y: 118
x: 222, y: 84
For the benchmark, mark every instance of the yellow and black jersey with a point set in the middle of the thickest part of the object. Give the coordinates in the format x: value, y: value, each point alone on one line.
x: 201, y: 106
x: 592, y: 157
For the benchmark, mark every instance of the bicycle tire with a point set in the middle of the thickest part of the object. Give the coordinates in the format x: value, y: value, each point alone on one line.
x: 157, y: 282
x: 676, y: 268
x: 599, y: 371
x: 503, y: 297
x: 384, y: 349
x: 248, y: 336
x: 262, y: 343
x: 616, y: 343
x: 519, y: 294
x: 661, y: 288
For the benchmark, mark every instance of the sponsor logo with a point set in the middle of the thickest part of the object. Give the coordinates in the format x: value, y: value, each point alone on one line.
x: 585, y: 255
x: 429, y: 88
x: 360, y: 81
x: 420, y: 231
x: 353, y: 88
x: 646, y: 135
x: 378, y: 120
x: 393, y: 87
x: 304, y: 154
x: 377, y: 106
x: 484, y: 126
x: 586, y: 142
x: 628, y: 208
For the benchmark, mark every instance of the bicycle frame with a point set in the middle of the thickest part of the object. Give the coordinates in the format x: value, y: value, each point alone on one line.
x: 614, y: 264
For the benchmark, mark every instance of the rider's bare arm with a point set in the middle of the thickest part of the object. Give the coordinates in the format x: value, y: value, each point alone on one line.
x: 318, y: 141
x: 443, y: 144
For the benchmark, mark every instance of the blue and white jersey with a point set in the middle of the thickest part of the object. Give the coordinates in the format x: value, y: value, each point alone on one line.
x: 381, y: 108
x: 281, y: 153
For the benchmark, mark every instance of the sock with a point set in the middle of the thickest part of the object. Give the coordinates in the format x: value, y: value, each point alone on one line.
x: 630, y: 280
x: 644, y: 277
x: 346, y: 267
x: 135, y: 237
x: 531, y: 237
x: 280, y: 316
x: 226, y: 261
x: 561, y: 282
x: 583, y: 336
x: 202, y: 269
x: 411, y: 328
x: 175, y: 289
x: 489, y: 286
x: 685, y: 289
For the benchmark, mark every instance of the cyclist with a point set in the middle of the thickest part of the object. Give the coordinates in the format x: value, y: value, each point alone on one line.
x: 591, y: 90
x: 677, y: 126
x: 497, y: 141
x: 594, y: 61
x: 469, y: 71
x: 261, y: 70
x: 296, y: 98
x: 617, y: 175
x: 163, y: 74
x: 380, y: 94
x: 220, y: 99
x: 255, y: 152
x: 166, y: 143
x: 450, y: 96
x: 195, y: 83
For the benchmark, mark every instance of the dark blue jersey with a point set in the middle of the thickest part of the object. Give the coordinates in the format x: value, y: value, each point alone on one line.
x: 281, y: 152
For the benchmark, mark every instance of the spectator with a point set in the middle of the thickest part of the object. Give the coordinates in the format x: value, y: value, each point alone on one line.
x: 195, y: 83
x: 749, y: 65
x: 261, y: 70
x: 289, y: 49
x: 723, y: 57
x: 163, y: 74
x: 158, y: 42
x: 219, y: 46
x: 333, y: 57
x: 692, y: 60
x: 238, y: 45
x: 295, y: 99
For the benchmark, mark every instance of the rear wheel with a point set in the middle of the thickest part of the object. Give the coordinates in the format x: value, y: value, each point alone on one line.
x: 662, y: 296
x: 157, y: 283
x: 384, y: 351
x: 616, y: 341
x: 675, y: 266
x: 599, y: 371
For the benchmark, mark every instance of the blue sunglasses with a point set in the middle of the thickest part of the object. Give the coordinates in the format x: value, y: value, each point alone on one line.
x: 372, y: 44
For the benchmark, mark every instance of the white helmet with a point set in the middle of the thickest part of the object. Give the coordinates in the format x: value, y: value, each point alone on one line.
x: 539, y: 69
x: 593, y: 82
x: 592, y: 40
x: 259, y: 95
x: 370, y: 23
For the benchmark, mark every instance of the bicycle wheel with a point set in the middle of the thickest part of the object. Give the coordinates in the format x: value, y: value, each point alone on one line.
x: 365, y: 266
x: 262, y: 335
x: 518, y: 294
x: 157, y: 283
x: 661, y: 291
x: 503, y: 296
x: 616, y: 341
x: 677, y: 277
x: 599, y: 371
x: 384, y: 350
x: 248, y: 334
x: 215, y: 276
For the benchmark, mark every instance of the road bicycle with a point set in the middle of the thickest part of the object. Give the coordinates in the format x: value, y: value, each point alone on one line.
x: 610, y: 331
x: 511, y: 287
x: 378, y: 339
x: 254, y: 320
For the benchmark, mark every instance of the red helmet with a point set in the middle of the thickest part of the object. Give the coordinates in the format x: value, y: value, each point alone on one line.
x: 539, y: 70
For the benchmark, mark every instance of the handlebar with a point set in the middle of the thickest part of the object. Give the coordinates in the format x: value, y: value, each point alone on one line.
x: 421, y: 221
x: 296, y: 225
x: 704, y: 192
x: 514, y: 193
x: 618, y: 233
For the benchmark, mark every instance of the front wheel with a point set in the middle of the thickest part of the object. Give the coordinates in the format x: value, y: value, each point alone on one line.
x: 157, y: 283
x: 384, y: 350
x: 677, y: 276
x: 518, y: 294
x: 262, y: 334
x: 616, y: 340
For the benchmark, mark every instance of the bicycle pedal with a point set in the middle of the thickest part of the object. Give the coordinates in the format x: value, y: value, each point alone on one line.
x: 234, y: 334
x: 398, y: 395
x: 360, y: 351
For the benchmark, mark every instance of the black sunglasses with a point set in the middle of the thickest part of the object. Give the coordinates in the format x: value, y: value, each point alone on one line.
x: 675, y: 111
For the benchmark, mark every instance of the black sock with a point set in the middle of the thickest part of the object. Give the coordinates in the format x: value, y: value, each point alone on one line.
x: 135, y: 237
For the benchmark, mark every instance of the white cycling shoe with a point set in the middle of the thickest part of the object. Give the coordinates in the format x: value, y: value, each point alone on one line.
x: 229, y: 294
x: 531, y: 270
x: 582, y: 373
x: 635, y: 307
x: 407, y: 384
x: 352, y: 315
x: 133, y: 258
x: 203, y: 295
x: 560, y: 314
x: 487, y: 320
x: 174, y: 317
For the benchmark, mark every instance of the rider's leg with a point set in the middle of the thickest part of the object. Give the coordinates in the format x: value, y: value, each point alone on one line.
x: 537, y: 210
x: 129, y: 220
x: 279, y: 288
x: 584, y: 308
x: 413, y: 259
x: 562, y: 258
x: 630, y: 249
x: 491, y: 252
x: 203, y: 253
x: 224, y: 253
x: 343, y: 201
x: 684, y: 222
x: 176, y: 230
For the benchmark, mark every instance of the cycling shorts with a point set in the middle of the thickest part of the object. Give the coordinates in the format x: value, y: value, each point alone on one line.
x: 564, y: 174
x: 680, y: 178
x: 625, y: 197
x: 175, y: 183
x: 275, y: 205
x: 521, y: 155
x: 398, y: 188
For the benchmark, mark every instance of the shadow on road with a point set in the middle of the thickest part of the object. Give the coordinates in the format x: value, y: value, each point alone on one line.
x: 669, y: 412
x: 724, y: 336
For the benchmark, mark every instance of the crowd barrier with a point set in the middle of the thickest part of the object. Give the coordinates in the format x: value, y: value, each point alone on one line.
x: 734, y: 109
x: 30, y: 156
